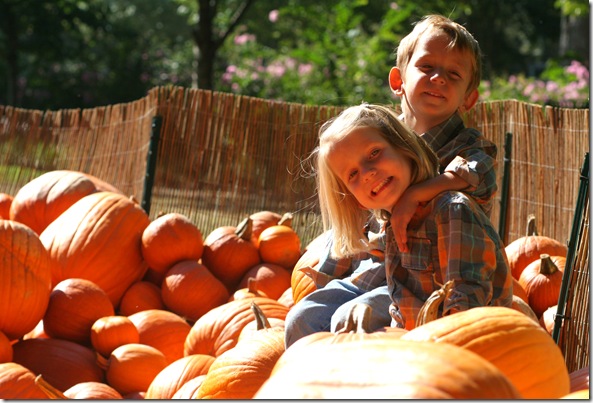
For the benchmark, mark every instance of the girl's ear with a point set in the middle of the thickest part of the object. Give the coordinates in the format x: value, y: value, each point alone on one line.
x: 470, y: 101
x: 395, y: 81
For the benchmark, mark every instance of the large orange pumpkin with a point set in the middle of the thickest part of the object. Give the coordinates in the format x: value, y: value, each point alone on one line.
x: 169, y: 239
x: 99, y: 239
x: 163, y: 330
x: 18, y: 382
x: 74, y: 305
x: 41, y: 200
x: 218, y: 330
x: 385, y: 369
x: 542, y: 280
x: 229, y: 253
x: 25, y: 279
x: 175, y: 375
x: 190, y: 290
x: 514, y: 343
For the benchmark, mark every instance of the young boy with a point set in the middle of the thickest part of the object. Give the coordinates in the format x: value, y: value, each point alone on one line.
x: 437, y: 75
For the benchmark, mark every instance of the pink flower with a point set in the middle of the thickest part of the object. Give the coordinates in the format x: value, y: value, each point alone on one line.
x: 273, y: 15
x: 244, y: 38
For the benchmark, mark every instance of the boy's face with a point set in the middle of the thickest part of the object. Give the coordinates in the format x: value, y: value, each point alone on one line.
x: 371, y: 168
x: 435, y: 82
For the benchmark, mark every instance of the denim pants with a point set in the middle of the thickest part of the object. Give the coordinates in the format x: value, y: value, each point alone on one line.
x: 327, y: 308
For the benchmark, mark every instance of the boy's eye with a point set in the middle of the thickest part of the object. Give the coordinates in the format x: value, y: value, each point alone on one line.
x: 374, y: 153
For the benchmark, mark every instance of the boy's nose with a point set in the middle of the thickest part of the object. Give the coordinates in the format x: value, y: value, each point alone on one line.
x: 438, y: 77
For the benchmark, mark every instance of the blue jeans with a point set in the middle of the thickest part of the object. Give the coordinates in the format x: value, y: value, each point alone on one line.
x: 327, y: 308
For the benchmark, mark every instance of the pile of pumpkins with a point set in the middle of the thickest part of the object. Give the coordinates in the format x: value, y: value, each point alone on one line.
x: 97, y: 301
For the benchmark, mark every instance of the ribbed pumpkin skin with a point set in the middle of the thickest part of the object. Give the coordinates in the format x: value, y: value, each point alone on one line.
x: 163, y: 330
x: 238, y: 373
x: 525, y: 250
x: 92, y: 390
x: 110, y: 332
x: 280, y: 245
x: 176, y: 374
x: 301, y: 284
x: 218, y: 330
x: 17, y: 382
x: 74, y: 305
x: 514, y: 343
x: 5, y: 202
x: 190, y: 389
x: 260, y: 221
x: 141, y: 296
x: 269, y: 278
x: 543, y: 290
x: 190, y: 290
x: 62, y: 363
x: 25, y: 279
x: 385, y: 369
x: 41, y: 200
x: 99, y: 239
x: 169, y: 239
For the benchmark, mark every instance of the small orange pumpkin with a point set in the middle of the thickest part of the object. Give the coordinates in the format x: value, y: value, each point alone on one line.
x: 280, y: 245
x: 542, y: 280
x: 260, y: 221
x: 141, y: 296
x: 110, y: 332
x: 269, y: 278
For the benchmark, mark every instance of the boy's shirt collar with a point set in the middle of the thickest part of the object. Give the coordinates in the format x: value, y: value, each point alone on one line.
x: 441, y: 134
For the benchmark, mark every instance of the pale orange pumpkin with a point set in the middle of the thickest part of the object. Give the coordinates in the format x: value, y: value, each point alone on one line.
x: 163, y: 330
x: 190, y: 290
x: 229, y: 253
x: 141, y: 296
x: 217, y: 331
x: 37, y: 333
x: 110, y: 332
x: 41, y: 200
x: 175, y: 375
x: 132, y: 367
x: 62, y: 363
x: 385, y: 369
x: 542, y: 280
x: 519, y: 305
x: 171, y: 238
x: 280, y: 245
x: 514, y: 343
x: 301, y: 283
x: 5, y: 202
x: 25, y: 279
x: 547, y: 319
x: 189, y: 390
x: 18, y: 382
x: 92, y: 390
x: 98, y: 238
x: 286, y: 297
x: 74, y: 305
x: 269, y: 278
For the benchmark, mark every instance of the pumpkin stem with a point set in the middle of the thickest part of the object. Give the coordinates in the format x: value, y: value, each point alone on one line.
x: 51, y: 391
x: 244, y: 228
x: 358, y: 319
x: 547, y: 266
x: 286, y: 219
x: 531, y: 227
x: 260, y: 317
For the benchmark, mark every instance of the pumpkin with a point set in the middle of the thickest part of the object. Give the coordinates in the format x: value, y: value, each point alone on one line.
x: 25, y: 279
x: 5, y: 348
x: 217, y: 331
x: 110, y: 332
x: 514, y: 343
x: 386, y: 369
x: 132, y: 367
x: 280, y: 245
x: 175, y: 375
x: 519, y: 291
x: 163, y: 330
x: 229, y: 253
x: 286, y: 297
x: 92, y: 390
x: 189, y: 390
x: 301, y: 282
x: 38, y: 332
x: 519, y: 305
x: 5, y: 202
x: 74, y: 305
x: 249, y: 291
x: 42, y: 200
x: 171, y: 238
x: 263, y: 219
x: 62, y: 363
x: 547, y: 320
x: 579, y: 379
x: 190, y: 290
x: 542, y: 280
x: 18, y: 382
x: 141, y: 296
x: 528, y: 248
x: 98, y: 238
x: 269, y: 278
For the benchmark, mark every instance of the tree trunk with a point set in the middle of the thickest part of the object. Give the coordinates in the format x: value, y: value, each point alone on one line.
x: 574, y: 36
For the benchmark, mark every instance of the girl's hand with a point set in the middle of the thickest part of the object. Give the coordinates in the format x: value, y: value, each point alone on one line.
x: 401, y: 214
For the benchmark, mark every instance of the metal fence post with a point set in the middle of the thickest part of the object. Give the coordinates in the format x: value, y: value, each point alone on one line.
x: 504, y: 196
x: 151, y: 159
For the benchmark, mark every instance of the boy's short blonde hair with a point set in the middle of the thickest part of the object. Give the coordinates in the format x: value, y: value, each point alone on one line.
x: 340, y: 211
x: 460, y: 39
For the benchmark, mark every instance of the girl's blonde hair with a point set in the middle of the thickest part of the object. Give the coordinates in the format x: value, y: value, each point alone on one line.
x: 459, y: 39
x: 340, y: 211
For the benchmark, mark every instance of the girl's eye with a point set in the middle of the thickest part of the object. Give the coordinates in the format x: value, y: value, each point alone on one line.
x: 352, y: 175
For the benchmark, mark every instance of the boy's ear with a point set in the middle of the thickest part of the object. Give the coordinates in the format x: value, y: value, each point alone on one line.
x: 470, y: 100
x: 395, y: 80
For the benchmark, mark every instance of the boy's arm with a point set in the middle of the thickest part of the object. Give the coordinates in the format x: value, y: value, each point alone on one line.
x: 403, y: 210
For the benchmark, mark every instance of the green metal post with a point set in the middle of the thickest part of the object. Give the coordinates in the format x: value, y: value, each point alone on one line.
x: 504, y: 196
x: 151, y: 159
x: 572, y: 243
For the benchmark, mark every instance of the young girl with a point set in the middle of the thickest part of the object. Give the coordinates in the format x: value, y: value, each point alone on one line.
x: 366, y: 159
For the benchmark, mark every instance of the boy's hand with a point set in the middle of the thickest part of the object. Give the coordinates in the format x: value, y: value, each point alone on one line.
x: 401, y: 214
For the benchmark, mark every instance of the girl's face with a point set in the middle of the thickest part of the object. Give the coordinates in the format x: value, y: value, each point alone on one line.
x: 372, y: 169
